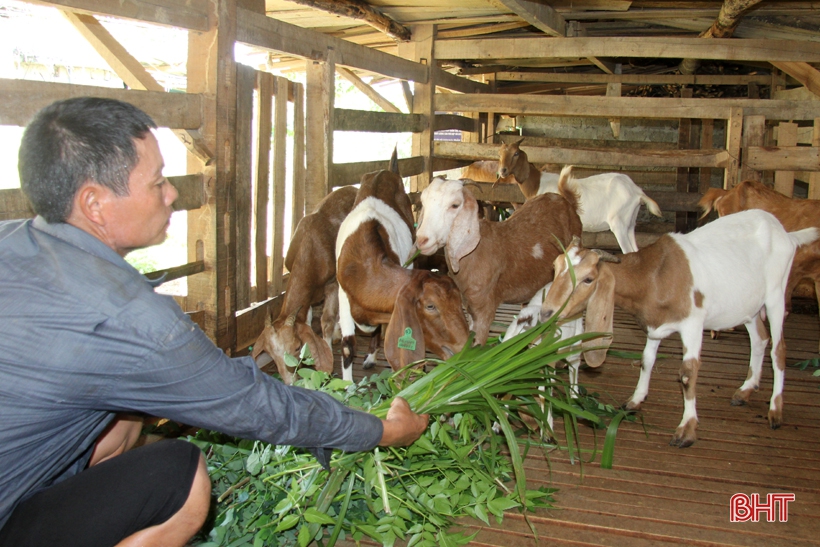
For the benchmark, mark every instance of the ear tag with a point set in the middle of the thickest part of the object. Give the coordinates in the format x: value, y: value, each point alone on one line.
x: 407, y: 341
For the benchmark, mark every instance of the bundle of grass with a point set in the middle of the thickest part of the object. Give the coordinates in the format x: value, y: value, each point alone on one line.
x: 281, y: 496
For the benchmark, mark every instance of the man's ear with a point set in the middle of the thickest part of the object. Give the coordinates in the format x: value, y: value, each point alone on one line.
x: 89, y: 203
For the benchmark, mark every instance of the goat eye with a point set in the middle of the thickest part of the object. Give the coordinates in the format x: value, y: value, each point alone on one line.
x: 430, y: 307
x: 588, y: 280
x: 455, y: 205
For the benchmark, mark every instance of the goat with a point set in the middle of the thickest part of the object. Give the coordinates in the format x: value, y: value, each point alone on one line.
x: 311, y: 261
x: 495, y: 262
x: 374, y: 289
x: 729, y: 272
x: 609, y: 201
x: 793, y: 214
x: 481, y: 171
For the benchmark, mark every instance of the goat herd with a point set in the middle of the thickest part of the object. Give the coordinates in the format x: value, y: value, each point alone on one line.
x: 352, y: 253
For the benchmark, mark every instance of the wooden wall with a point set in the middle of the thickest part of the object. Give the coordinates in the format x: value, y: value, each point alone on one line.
x: 235, y: 170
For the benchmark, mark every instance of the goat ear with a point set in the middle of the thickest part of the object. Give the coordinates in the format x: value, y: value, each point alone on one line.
x: 519, y: 141
x: 464, y: 235
x: 261, y: 346
x: 322, y: 355
x: 599, y: 317
x: 404, y: 339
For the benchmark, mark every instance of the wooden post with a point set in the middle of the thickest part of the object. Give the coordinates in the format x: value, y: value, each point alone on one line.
x: 262, y: 181
x: 245, y: 84
x: 298, y: 205
x: 280, y: 134
x: 814, y: 176
x: 212, y: 72
x: 754, y: 132
x: 614, y: 90
x: 784, y: 180
x: 734, y: 132
x: 321, y: 89
x: 421, y: 50
x: 707, y: 136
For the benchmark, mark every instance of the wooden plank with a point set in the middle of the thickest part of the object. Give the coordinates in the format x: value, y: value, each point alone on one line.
x: 280, y: 133
x: 378, y: 122
x: 707, y: 135
x: 664, y: 47
x: 191, y: 14
x: 298, y: 169
x: 792, y: 158
x: 754, y: 133
x: 541, y: 16
x: 267, y: 33
x: 421, y: 50
x: 803, y: 73
x: 646, y: 158
x: 345, y: 174
x: 734, y: 131
x: 453, y: 121
x: 245, y: 84
x: 784, y: 180
x: 251, y: 322
x: 262, y: 182
x: 632, y: 79
x: 682, y: 176
x: 458, y: 83
x: 318, y: 130
x: 626, y: 107
x: 814, y: 178
x: 20, y: 100
x: 176, y: 272
x: 14, y: 204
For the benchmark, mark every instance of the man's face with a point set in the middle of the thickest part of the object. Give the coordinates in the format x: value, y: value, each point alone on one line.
x: 142, y: 217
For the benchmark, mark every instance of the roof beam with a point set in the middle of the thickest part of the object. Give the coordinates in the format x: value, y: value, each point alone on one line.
x: 725, y: 49
x: 803, y: 73
x: 362, y: 11
x: 191, y: 14
x: 541, y: 16
x: 633, y: 79
x: 371, y: 93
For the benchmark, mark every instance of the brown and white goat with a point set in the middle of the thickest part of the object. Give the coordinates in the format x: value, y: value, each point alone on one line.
x: 311, y: 261
x: 793, y: 214
x: 495, y: 262
x: 729, y: 272
x: 608, y: 201
x: 422, y: 310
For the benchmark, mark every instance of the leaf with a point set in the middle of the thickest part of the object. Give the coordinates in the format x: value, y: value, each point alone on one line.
x: 291, y: 361
x: 314, y: 516
x: 304, y: 536
x: 481, y: 513
x: 609, y: 442
x: 254, y: 464
x: 287, y: 522
x: 499, y: 505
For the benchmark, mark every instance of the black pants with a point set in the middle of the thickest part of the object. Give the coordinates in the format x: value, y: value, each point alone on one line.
x: 107, y: 502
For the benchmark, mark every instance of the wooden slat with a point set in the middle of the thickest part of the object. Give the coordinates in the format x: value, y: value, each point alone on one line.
x: 280, y: 133
x: 177, y: 271
x: 814, y: 179
x: 784, y: 180
x: 368, y: 90
x: 319, y: 129
x: 245, y: 84
x: 626, y: 107
x: 754, y: 133
x: 633, y: 79
x: 734, y: 132
x: 344, y: 174
x: 264, y: 86
x: 20, y: 100
x: 793, y: 158
x: 649, y: 158
x: 298, y: 156
x: 377, y: 122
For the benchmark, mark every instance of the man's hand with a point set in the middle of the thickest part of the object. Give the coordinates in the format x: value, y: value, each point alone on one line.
x: 402, y: 426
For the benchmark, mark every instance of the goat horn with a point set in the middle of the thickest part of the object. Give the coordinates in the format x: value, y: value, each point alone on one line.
x: 606, y: 257
x: 471, y: 183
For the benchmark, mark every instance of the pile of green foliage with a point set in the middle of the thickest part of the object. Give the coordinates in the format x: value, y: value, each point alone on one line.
x: 272, y: 496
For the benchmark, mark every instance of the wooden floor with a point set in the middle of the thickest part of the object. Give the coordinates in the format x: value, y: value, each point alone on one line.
x: 659, y: 495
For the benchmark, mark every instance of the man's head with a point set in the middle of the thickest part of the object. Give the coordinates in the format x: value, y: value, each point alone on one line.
x: 94, y: 163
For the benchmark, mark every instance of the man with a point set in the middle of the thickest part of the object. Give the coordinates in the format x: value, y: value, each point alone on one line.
x: 84, y: 341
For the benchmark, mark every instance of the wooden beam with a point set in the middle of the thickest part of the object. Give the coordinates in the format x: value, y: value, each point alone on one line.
x: 377, y: 122
x: 177, y: 272
x: 632, y: 79
x: 345, y: 174
x: 754, y: 133
x: 626, y: 107
x: 784, y: 180
x: 280, y: 136
x: 734, y: 137
x: 320, y: 91
x: 566, y: 156
x: 541, y: 16
x: 456, y: 83
x: 369, y: 92
x: 20, y: 100
x: 803, y: 73
x: 666, y: 47
x: 243, y: 223
x: 262, y: 182
x: 785, y: 158
x: 479, y: 31
x: 131, y: 71
x: 190, y: 14
x: 267, y: 33
x: 421, y: 50
x: 361, y: 11
x: 298, y: 198
x: 814, y: 178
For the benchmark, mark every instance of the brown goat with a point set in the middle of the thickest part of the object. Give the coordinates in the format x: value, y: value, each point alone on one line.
x: 793, y: 214
x: 419, y: 307
x: 311, y: 261
x: 496, y: 262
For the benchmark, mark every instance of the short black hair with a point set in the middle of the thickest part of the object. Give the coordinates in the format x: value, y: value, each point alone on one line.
x: 73, y: 141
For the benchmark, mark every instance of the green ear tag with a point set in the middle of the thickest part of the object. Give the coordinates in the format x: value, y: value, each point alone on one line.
x: 407, y: 341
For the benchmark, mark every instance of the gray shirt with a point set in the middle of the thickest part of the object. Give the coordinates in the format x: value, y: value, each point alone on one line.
x: 83, y: 336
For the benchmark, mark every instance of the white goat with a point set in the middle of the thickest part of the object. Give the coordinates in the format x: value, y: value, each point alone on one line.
x: 495, y: 262
x: 609, y: 201
x: 729, y: 272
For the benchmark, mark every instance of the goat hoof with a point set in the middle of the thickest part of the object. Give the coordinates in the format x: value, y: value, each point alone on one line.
x: 741, y: 397
x: 368, y: 363
x: 685, y: 435
x: 775, y: 419
x: 629, y: 405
